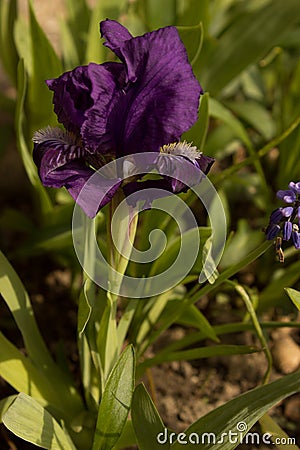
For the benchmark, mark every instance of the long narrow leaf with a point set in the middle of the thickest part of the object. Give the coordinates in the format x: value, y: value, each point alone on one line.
x: 21, y: 374
x: 294, y: 296
x: 244, y: 411
x: 146, y: 420
x: 196, y: 353
x: 45, y: 65
x: 175, y: 314
x: 16, y: 298
x: 245, y: 41
x: 21, y: 140
x: 95, y: 51
x: 268, y: 425
x: 13, y: 292
x: 27, y: 419
x: 8, y: 54
x: 115, y: 402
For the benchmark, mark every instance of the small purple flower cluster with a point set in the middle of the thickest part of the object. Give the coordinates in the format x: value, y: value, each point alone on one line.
x: 285, y: 221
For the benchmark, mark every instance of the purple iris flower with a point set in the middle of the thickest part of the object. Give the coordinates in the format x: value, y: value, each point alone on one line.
x: 144, y: 103
x: 285, y: 222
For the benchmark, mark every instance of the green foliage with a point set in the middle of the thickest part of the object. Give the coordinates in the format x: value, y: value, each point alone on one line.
x: 246, y: 37
x: 8, y: 53
x: 294, y: 296
x: 146, y: 420
x: 214, y: 428
x: 248, y: 408
x: 26, y: 418
x: 246, y: 57
x: 115, y: 402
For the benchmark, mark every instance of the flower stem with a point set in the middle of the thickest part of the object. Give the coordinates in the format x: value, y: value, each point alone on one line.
x: 121, y: 230
x: 248, y: 303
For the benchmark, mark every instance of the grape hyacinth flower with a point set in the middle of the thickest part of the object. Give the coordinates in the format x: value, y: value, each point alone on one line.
x: 144, y: 103
x: 285, y: 221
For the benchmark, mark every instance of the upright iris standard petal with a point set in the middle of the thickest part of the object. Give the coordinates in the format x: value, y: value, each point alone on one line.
x: 161, y: 98
x: 82, y: 91
x: 71, y: 97
x: 115, y: 35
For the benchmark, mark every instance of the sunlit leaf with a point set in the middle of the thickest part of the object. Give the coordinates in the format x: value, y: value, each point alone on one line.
x: 115, y: 402
x: 273, y: 294
x: 27, y: 419
x: 256, y: 115
x: 196, y: 353
x: 278, y: 436
x: 40, y: 368
x: 294, y: 296
x: 146, y: 420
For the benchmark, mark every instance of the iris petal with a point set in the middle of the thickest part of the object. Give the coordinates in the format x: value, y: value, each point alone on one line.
x: 97, y: 131
x: 52, y: 152
x: 116, y: 109
x: 161, y: 99
x: 97, y: 192
x: 84, y: 93
x: 115, y: 35
x: 180, y: 171
x: 71, y: 97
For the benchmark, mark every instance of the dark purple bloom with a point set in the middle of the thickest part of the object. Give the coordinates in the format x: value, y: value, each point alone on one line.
x: 141, y: 104
x: 284, y: 222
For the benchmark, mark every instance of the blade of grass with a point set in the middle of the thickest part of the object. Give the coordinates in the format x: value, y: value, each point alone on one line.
x: 196, y: 353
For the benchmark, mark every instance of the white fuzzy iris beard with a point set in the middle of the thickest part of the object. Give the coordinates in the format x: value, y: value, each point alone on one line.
x: 54, y: 134
x: 181, y: 149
